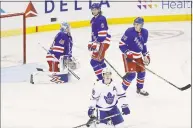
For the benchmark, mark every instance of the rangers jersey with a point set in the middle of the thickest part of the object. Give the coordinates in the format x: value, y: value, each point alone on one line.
x: 99, y: 29
x: 62, y: 45
x: 134, y: 42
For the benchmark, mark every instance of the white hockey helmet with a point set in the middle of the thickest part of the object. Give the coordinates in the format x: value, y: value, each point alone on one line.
x: 107, y: 76
x: 65, y: 27
x: 106, y: 71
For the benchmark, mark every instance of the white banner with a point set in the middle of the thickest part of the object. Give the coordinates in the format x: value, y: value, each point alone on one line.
x: 78, y: 11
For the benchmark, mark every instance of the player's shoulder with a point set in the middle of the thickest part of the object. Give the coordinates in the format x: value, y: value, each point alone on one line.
x: 130, y: 30
x: 62, y: 34
x: 92, y: 19
x: 115, y: 83
x: 98, y: 86
x: 144, y: 30
x: 102, y: 18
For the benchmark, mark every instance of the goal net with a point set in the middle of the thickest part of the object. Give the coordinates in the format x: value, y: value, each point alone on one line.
x: 13, y: 39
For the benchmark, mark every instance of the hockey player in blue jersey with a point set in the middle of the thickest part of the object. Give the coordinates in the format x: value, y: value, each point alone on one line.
x: 61, y: 48
x: 133, y: 46
x: 106, y: 94
x: 100, y: 40
x: 59, y: 57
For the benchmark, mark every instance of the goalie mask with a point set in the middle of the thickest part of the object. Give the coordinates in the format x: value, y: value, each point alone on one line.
x: 65, y: 27
x: 107, y: 75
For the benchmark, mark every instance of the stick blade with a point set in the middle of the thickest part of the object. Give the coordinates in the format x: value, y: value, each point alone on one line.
x: 39, y: 69
x: 186, y: 87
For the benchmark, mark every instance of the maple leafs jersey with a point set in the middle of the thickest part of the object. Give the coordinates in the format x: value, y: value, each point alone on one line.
x: 99, y: 29
x: 134, y: 42
x: 105, y: 97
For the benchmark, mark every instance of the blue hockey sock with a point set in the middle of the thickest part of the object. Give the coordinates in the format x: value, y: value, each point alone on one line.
x: 97, y: 68
x: 127, y: 80
x: 103, y: 65
x: 140, y: 79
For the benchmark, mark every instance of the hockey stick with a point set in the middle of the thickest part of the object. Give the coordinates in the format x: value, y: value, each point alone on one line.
x: 74, y: 74
x: 182, y: 88
x: 97, y: 121
x: 113, y: 68
x: 109, y: 117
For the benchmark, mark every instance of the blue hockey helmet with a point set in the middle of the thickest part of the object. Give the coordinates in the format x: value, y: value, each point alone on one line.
x: 96, y: 5
x: 64, y: 26
x: 139, y: 20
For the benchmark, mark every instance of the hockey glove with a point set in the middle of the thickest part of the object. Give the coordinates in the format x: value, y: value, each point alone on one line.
x: 125, y: 109
x: 94, y: 46
x: 89, y: 46
x: 91, y: 112
x: 146, y: 60
x: 129, y: 56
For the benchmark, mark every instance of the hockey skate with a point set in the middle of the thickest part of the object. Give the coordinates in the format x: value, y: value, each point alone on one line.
x: 142, y: 92
x: 91, y: 121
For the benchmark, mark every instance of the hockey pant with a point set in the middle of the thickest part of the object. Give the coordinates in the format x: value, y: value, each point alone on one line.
x: 97, y: 61
x: 116, y: 120
x: 100, y: 54
x: 131, y: 68
x: 53, y: 63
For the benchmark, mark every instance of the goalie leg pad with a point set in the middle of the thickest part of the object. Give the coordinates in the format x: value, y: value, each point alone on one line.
x: 40, y: 77
x: 63, y: 66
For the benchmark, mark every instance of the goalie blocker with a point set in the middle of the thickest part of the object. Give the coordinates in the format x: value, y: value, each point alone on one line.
x: 46, y: 77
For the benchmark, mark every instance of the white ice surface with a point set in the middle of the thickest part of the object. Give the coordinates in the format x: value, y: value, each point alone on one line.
x: 63, y: 106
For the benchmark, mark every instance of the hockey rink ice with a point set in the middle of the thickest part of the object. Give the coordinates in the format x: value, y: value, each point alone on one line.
x: 24, y: 105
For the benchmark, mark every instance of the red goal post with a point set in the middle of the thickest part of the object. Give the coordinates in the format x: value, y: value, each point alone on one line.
x: 22, y: 31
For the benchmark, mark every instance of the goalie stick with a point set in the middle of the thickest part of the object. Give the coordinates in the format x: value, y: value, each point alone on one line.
x: 182, y: 88
x: 74, y: 74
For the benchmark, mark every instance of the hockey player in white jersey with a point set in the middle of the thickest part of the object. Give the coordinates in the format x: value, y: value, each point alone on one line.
x: 105, y: 96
